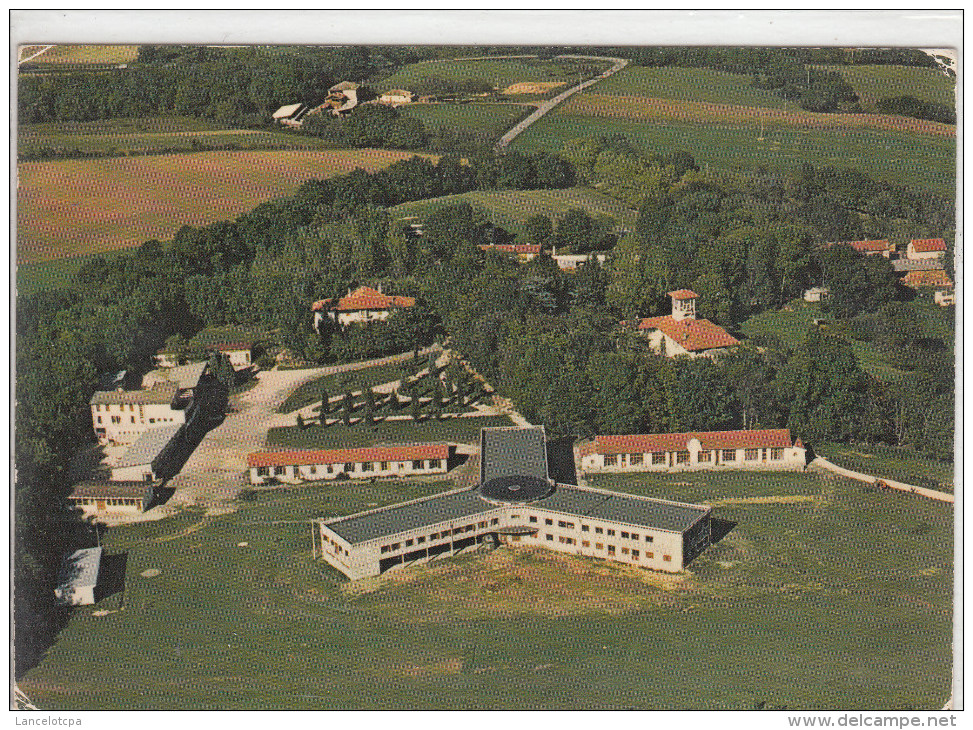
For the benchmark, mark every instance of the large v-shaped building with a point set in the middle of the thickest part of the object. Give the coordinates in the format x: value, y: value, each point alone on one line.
x: 516, y: 502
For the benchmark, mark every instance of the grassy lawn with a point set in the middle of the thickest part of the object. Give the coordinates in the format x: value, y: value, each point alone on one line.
x: 911, y: 159
x: 873, y: 83
x: 73, y: 54
x: 339, y: 436
x: 690, y: 84
x: 494, y: 119
x: 76, y: 207
x: 844, y: 604
x: 900, y: 464
x: 511, y: 208
x: 792, y: 326
x: 713, y: 486
x: 340, y: 383
x: 55, y: 273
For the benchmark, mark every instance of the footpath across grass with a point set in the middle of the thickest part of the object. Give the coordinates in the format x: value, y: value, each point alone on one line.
x: 889, y: 462
x: 339, y: 436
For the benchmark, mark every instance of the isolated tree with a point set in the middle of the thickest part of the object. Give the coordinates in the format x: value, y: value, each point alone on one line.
x: 300, y: 422
x: 325, y: 402
x: 348, y: 407
x: 415, y: 405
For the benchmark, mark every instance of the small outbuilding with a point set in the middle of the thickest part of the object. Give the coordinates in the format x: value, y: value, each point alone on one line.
x: 78, y: 578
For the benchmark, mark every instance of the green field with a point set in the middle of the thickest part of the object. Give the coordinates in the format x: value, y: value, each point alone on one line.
x: 710, y: 486
x: 889, y: 462
x: 494, y: 119
x: 123, y: 137
x: 511, y: 208
x: 792, y: 324
x: 873, y: 83
x: 843, y: 604
x: 898, y: 157
x: 690, y: 84
x: 80, y: 54
x: 499, y: 72
x: 56, y: 273
x: 339, y: 436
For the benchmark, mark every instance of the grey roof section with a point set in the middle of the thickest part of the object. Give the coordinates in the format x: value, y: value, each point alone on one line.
x: 148, y: 446
x: 652, y: 513
x: 410, y: 516
x: 917, y: 264
x: 80, y: 568
x: 161, y: 393
x: 513, y: 451
x: 184, y: 376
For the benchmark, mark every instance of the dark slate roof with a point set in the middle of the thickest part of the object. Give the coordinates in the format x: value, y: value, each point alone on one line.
x: 148, y: 446
x: 641, y: 511
x: 510, y: 451
x: 410, y: 516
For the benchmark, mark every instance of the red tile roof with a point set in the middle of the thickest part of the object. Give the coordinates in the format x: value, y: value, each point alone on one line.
x: 518, y: 248
x: 863, y: 246
x: 695, y: 335
x: 683, y: 294
x: 364, y: 298
x: 926, y: 245
x: 393, y: 452
x: 647, y: 443
x: 935, y: 277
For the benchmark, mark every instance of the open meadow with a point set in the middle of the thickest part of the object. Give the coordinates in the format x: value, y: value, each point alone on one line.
x: 890, y: 462
x: 68, y: 55
x: 911, y: 159
x: 509, y: 209
x: 491, y: 118
x: 873, y: 83
x: 841, y: 601
x: 74, y: 207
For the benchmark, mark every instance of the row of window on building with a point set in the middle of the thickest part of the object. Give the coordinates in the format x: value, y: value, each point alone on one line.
x: 682, y: 457
x: 349, y: 467
x: 421, y: 539
x: 118, y: 419
x: 109, y: 501
x: 611, y: 550
x: 587, y: 528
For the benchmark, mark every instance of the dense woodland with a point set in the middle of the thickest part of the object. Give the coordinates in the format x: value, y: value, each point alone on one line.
x: 553, y: 342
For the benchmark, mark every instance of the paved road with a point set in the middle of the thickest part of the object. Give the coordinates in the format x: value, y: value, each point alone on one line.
x: 823, y: 463
x: 216, y: 471
x: 544, y: 108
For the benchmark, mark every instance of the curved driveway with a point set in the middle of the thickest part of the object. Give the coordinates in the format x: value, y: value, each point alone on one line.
x: 544, y: 108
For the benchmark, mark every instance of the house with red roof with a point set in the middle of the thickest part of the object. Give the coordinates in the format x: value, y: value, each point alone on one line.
x: 869, y: 248
x: 364, y: 304
x: 394, y: 460
x: 663, y: 452
x: 680, y: 333
x: 925, y: 248
x: 523, y: 251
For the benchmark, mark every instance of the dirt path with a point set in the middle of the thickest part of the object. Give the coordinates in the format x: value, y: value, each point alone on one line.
x: 821, y: 463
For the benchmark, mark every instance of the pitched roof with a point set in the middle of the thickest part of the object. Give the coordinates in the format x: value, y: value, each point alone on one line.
x: 926, y: 245
x: 901, y: 265
x: 392, y: 452
x: 80, y: 568
x: 862, y: 246
x: 683, y: 294
x: 148, y: 446
x: 364, y: 297
x: 694, y: 335
x: 936, y: 277
x: 647, y: 443
x: 518, y: 248
x: 105, y: 489
x: 287, y: 111
x: 160, y: 393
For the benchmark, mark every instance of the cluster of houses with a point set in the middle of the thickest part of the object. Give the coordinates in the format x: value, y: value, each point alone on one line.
x: 920, y: 265
x: 528, y: 252
x: 341, y: 99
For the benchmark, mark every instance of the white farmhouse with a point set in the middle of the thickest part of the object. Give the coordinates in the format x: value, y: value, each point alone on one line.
x: 713, y: 450
x: 364, y: 304
x: 119, y: 417
x: 925, y: 248
x: 106, y: 498
x: 681, y: 333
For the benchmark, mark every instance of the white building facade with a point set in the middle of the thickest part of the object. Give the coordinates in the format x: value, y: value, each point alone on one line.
x: 712, y: 450
x: 397, y: 460
x: 120, y: 417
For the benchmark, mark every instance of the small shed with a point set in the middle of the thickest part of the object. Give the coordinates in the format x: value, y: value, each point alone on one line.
x: 78, y: 577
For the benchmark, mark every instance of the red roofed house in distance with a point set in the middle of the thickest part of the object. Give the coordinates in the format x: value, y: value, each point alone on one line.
x: 681, y: 333
x: 362, y: 305
x: 926, y: 248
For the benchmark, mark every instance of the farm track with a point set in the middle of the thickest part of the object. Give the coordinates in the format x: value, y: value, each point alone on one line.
x: 645, y: 108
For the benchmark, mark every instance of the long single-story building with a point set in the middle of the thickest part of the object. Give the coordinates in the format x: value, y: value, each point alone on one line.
x: 373, y: 461
x: 146, y: 460
x: 78, y: 577
x: 763, y: 449
x: 926, y: 248
x: 108, y: 498
x: 516, y: 503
